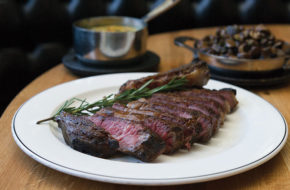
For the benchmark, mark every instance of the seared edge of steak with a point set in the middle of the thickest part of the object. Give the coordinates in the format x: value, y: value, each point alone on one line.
x: 230, y: 95
x: 207, y: 94
x: 206, y: 125
x: 83, y: 135
x: 171, y: 133
x: 196, y: 73
x: 214, y: 105
x: 186, y: 103
x: 134, y: 138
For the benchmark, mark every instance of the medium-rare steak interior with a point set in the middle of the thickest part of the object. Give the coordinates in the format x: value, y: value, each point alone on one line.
x: 150, y: 122
x: 171, y: 133
x: 134, y: 137
x: 189, y: 127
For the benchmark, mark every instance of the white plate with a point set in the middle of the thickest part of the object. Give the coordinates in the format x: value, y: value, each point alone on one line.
x: 250, y: 136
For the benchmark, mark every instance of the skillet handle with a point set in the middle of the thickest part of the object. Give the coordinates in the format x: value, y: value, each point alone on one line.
x: 286, y: 65
x: 181, y: 42
x: 166, y: 5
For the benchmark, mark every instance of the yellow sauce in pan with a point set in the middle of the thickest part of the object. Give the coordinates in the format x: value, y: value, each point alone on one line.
x: 114, y: 28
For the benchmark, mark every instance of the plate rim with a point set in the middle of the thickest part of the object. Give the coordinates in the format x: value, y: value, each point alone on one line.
x: 148, y: 181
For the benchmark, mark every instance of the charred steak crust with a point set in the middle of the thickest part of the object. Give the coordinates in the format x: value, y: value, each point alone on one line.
x: 204, y: 121
x: 207, y: 95
x: 83, y: 135
x: 185, y: 102
x: 196, y: 73
x: 134, y: 138
x: 230, y: 95
x: 214, y: 105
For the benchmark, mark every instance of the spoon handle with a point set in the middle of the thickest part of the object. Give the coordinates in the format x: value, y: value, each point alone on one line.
x: 166, y: 5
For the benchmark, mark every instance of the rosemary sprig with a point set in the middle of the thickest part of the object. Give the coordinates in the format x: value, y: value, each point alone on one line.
x: 86, y: 108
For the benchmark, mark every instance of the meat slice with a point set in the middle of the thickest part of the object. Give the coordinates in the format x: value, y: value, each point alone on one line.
x: 201, y: 93
x: 83, y: 135
x: 189, y: 127
x: 217, y: 107
x: 184, y: 102
x: 229, y: 94
x: 203, y: 120
x: 196, y: 73
x: 169, y: 132
x: 225, y: 97
x: 134, y: 138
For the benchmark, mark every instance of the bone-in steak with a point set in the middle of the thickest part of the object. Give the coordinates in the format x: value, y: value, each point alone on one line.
x: 196, y: 73
x: 162, y: 123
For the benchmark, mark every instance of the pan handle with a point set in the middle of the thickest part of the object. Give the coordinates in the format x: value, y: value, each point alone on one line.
x: 181, y: 42
x: 286, y: 65
x: 166, y: 5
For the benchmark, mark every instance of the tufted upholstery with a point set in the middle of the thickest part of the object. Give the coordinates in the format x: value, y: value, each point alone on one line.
x: 35, y: 34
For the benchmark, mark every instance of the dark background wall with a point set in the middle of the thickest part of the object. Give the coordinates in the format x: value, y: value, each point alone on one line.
x: 35, y: 34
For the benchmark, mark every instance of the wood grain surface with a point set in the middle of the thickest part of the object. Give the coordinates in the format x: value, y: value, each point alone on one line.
x: 19, y: 171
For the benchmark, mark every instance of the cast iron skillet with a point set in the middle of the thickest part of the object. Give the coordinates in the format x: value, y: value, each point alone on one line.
x: 236, y: 65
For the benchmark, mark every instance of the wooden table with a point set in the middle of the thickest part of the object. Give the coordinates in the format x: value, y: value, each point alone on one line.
x: 19, y: 171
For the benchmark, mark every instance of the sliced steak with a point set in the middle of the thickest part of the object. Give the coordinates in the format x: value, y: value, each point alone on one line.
x: 186, y: 103
x: 134, y: 138
x: 190, y: 127
x: 203, y: 120
x: 196, y: 73
x: 217, y: 107
x: 229, y: 94
x: 168, y: 131
x: 207, y: 94
x: 83, y: 135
